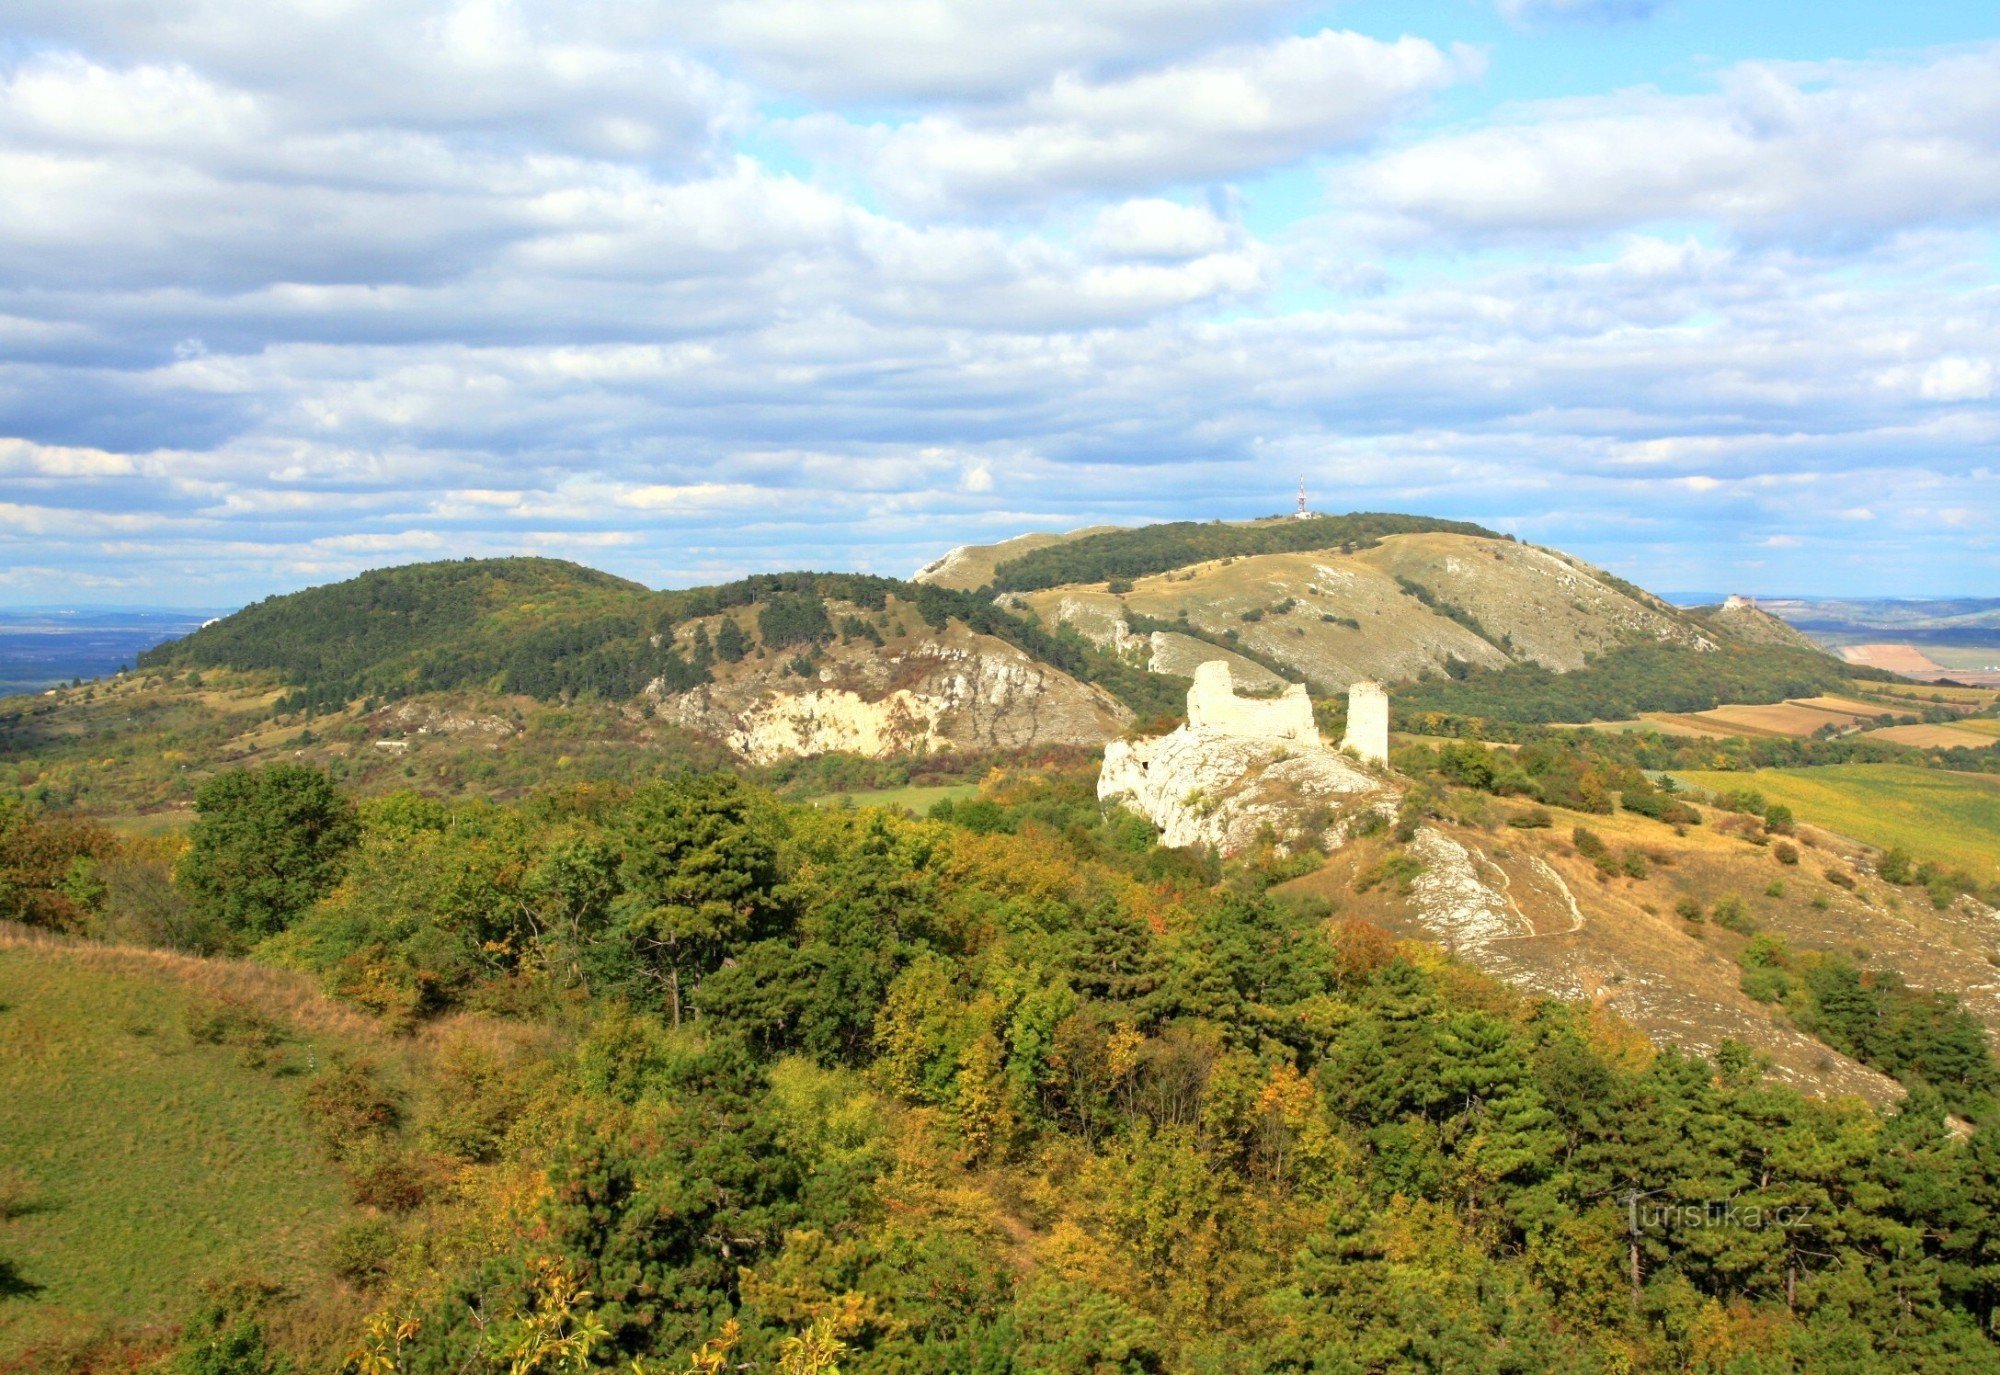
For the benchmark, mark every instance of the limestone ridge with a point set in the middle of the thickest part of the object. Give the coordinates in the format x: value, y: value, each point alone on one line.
x: 1244, y: 768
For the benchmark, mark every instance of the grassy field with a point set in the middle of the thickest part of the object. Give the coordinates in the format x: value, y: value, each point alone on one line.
x: 911, y: 799
x: 140, y: 1159
x: 1933, y: 813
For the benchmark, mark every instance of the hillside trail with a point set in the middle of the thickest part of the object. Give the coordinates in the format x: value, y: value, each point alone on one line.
x: 1506, y: 891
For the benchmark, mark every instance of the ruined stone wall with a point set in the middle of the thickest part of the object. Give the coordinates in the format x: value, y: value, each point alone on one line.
x: 1367, y: 722
x: 1215, y: 709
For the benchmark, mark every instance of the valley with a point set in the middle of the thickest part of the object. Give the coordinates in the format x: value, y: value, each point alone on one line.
x: 947, y: 890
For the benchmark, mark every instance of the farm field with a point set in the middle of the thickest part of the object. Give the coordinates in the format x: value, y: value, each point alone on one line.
x: 1953, y: 818
x: 1988, y: 726
x: 1932, y: 737
x: 142, y: 1159
x: 1795, y: 719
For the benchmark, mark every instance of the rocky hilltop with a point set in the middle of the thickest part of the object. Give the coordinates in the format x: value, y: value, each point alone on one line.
x: 1396, y: 608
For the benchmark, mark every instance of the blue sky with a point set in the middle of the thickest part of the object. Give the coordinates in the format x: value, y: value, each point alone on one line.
x: 1708, y: 293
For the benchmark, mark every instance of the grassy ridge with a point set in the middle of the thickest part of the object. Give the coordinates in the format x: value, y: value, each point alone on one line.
x: 1159, y: 548
x: 145, y: 1160
x: 1954, y: 817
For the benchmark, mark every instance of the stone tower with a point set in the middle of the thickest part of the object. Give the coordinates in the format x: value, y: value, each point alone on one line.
x: 1367, y: 722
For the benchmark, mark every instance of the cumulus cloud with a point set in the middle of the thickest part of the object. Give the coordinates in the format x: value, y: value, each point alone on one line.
x: 1228, y: 113
x: 287, y: 291
x: 1842, y: 151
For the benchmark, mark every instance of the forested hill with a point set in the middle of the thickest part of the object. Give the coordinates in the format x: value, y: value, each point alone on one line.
x: 1158, y: 548
x: 555, y: 630
x: 426, y: 626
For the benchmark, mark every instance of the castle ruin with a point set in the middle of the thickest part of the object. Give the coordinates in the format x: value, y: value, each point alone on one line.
x: 1215, y: 709
x: 1367, y: 722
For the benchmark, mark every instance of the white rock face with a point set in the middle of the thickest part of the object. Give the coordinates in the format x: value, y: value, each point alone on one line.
x: 1238, y: 768
x: 954, y: 692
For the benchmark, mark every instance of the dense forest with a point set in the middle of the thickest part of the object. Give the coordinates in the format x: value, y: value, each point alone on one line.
x: 1009, y: 1090
x: 1175, y: 544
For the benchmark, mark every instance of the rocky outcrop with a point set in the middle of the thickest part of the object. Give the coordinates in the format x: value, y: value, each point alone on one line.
x: 954, y: 690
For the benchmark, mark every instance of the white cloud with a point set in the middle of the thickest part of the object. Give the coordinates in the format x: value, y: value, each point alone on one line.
x: 953, y: 50
x: 1833, y: 150
x: 1225, y: 114
x: 1959, y: 379
x: 1154, y: 228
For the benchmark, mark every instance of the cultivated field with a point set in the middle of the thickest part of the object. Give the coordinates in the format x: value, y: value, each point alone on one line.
x: 1932, y: 813
x: 1933, y: 737
x: 1794, y: 719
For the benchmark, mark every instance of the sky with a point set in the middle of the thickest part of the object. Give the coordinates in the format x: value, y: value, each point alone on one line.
x: 1704, y: 291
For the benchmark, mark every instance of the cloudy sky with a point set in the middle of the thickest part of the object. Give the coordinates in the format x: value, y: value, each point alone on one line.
x: 1702, y: 290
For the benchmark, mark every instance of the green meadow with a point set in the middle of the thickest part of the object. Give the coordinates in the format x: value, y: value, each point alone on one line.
x: 1934, y: 814
x: 136, y: 1159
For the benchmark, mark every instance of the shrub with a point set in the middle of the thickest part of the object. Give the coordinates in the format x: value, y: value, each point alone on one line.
x: 1534, y: 819
x: 1785, y: 852
x: 360, y: 1251
x: 1733, y: 915
x: 1398, y: 869
x: 1775, y: 888
x: 1588, y: 843
x: 380, y: 1175
x: 1634, y: 865
x: 346, y: 1105
x: 1766, y: 985
x: 1896, y: 867
x: 1689, y: 910
x: 1840, y: 878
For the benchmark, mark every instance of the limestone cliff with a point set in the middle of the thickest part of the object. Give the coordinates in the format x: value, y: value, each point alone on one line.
x: 924, y: 690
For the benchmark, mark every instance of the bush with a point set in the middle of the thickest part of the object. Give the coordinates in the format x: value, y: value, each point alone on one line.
x: 1840, y: 878
x: 1534, y: 819
x: 1689, y: 910
x: 1732, y: 914
x: 360, y: 1251
x: 1785, y: 852
x: 346, y: 1106
x: 1766, y: 985
x: 379, y: 1175
x: 1399, y: 870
